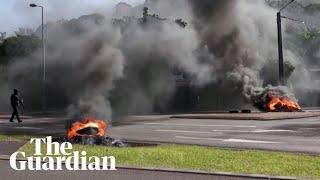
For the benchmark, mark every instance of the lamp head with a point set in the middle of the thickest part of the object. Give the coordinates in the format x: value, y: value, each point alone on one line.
x: 33, y: 5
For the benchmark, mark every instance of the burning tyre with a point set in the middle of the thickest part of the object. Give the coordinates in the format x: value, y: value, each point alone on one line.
x: 275, y: 99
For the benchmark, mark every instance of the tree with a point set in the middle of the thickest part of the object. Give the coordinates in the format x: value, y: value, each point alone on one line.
x: 24, y: 32
x: 18, y: 46
x: 2, y: 36
x: 145, y: 14
x: 270, y: 72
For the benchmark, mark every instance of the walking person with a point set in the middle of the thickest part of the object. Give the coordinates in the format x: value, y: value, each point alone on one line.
x: 15, y: 101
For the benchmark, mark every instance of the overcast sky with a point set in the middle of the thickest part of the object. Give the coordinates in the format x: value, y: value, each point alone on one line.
x: 17, y: 13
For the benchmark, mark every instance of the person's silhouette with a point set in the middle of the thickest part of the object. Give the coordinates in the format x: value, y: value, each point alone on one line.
x: 15, y: 101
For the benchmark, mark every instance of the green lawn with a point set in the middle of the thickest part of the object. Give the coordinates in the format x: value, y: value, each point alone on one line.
x: 14, y: 137
x: 208, y: 159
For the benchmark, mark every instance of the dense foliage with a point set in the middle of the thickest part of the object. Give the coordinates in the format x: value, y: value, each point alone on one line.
x: 18, y: 46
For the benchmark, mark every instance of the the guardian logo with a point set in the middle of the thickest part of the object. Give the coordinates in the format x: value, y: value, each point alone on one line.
x: 59, y: 157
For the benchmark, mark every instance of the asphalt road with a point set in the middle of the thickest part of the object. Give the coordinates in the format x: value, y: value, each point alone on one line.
x: 121, y: 174
x: 9, y: 147
x: 294, y: 135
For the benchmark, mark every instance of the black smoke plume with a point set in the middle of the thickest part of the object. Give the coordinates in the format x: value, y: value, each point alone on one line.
x: 96, y: 66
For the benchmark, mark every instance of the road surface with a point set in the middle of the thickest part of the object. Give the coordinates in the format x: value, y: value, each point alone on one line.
x: 294, y: 135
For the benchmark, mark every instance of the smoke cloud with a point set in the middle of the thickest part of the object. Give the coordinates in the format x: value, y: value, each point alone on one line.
x: 96, y: 67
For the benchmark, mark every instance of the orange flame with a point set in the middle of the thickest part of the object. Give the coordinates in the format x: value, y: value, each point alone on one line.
x: 277, y: 103
x: 87, y: 123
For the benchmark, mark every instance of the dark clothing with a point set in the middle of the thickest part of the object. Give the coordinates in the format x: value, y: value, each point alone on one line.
x: 14, y: 104
x: 14, y: 100
x: 15, y: 113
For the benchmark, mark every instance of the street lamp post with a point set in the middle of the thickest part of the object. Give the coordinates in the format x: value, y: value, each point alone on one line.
x: 44, y: 104
x: 280, y: 48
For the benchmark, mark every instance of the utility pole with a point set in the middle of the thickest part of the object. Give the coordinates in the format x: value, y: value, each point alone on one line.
x: 280, y: 48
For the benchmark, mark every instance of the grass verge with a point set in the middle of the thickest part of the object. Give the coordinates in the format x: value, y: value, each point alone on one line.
x: 14, y: 137
x: 207, y: 159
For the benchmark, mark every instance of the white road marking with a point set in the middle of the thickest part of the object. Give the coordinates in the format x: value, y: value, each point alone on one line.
x: 229, y: 140
x: 272, y: 130
x: 26, y: 127
x: 254, y: 131
x: 197, y: 125
x: 250, y: 141
x: 221, y: 130
x: 310, y: 128
x: 196, y: 138
x: 182, y: 131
